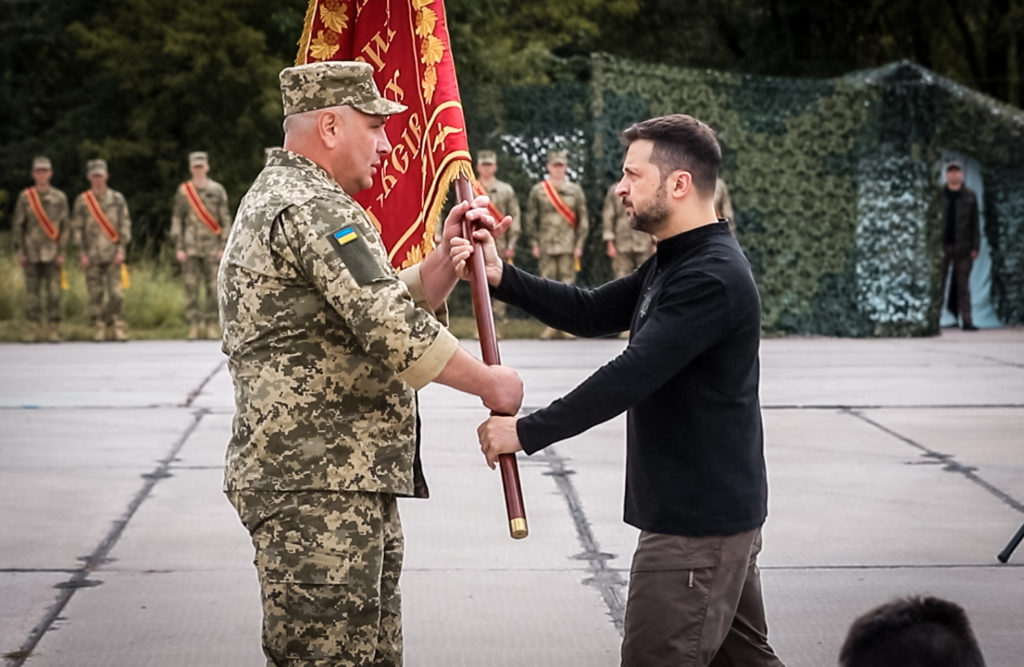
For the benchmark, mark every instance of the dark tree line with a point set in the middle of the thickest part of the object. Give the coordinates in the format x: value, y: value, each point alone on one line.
x: 142, y: 82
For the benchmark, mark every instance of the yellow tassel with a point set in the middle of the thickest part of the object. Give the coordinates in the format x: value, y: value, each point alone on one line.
x: 302, y: 57
x: 64, y: 285
x: 126, y: 280
x: 576, y: 266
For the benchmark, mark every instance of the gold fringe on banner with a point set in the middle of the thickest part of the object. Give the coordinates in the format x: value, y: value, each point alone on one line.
x: 307, y: 34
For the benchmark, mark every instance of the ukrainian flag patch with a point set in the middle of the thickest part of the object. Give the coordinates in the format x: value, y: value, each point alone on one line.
x: 355, y: 253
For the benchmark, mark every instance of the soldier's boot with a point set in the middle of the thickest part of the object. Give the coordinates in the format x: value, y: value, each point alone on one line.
x: 32, y: 332
x: 549, y: 333
x: 101, y: 332
x: 53, y: 333
x: 212, y: 331
x: 193, y: 330
x: 120, y: 334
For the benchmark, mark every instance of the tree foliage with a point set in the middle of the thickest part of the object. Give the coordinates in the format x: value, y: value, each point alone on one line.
x: 143, y: 82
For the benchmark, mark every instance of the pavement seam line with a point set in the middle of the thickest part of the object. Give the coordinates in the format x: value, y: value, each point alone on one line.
x: 202, y: 385
x: 607, y: 580
x: 79, y: 578
x: 951, y: 464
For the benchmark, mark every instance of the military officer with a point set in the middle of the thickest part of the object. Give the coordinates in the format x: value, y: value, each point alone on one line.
x: 40, y: 230
x: 200, y: 223
x: 102, y: 230
x: 327, y: 346
x: 503, y: 199
x: 627, y: 247
x: 556, y: 224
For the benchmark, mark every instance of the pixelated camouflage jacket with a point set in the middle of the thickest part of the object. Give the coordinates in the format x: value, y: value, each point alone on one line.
x: 89, y: 237
x: 188, y: 232
x: 544, y: 225
x: 326, y: 344
x: 28, y: 235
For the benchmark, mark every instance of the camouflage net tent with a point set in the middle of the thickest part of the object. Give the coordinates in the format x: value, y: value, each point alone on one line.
x: 831, y: 178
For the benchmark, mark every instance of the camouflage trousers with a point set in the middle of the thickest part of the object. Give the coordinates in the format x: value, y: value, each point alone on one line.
x: 104, y: 280
x: 45, y: 277
x: 558, y: 267
x: 626, y: 262
x: 328, y: 565
x: 203, y: 270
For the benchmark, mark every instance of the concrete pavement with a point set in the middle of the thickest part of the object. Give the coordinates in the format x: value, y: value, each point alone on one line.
x: 896, y: 467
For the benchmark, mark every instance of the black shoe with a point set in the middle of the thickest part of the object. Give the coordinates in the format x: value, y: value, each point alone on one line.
x: 969, y: 327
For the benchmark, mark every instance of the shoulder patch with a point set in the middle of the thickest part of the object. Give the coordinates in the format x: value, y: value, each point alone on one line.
x: 351, y: 247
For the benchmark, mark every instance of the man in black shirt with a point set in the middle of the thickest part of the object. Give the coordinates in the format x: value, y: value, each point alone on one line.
x: 961, y: 237
x: 688, y: 380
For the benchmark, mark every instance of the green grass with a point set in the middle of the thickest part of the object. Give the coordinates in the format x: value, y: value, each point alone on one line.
x: 154, y: 305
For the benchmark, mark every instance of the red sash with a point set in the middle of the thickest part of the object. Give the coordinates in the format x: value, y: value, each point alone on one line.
x: 44, y: 220
x: 199, y: 208
x: 559, y: 205
x: 98, y: 215
x: 479, y: 189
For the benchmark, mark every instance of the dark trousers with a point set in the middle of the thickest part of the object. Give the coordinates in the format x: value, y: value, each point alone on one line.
x: 695, y: 602
x: 959, y: 287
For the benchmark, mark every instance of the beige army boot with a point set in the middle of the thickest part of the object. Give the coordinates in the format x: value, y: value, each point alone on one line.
x: 549, y: 333
x: 119, y: 331
x: 193, y: 330
x: 101, y: 332
x: 212, y: 331
x: 53, y: 333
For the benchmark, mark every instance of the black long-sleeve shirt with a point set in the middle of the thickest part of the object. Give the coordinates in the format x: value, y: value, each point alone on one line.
x: 688, y: 379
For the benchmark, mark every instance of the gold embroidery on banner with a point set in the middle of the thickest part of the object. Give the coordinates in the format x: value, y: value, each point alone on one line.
x: 334, y: 14
x: 325, y: 45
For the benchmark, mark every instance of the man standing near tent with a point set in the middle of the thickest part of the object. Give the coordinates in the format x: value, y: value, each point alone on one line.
x: 956, y: 209
x: 200, y: 222
x: 102, y: 230
x: 556, y: 224
x: 327, y: 347
x: 40, y: 233
x: 696, y: 485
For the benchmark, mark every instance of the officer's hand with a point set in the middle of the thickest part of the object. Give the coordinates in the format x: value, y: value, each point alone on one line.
x: 577, y: 252
x: 462, y: 250
x: 498, y: 436
x: 119, y: 258
x: 60, y: 260
x: 611, y: 250
x: 477, y: 214
x: 535, y: 250
x: 85, y: 261
x: 181, y: 256
x: 505, y: 393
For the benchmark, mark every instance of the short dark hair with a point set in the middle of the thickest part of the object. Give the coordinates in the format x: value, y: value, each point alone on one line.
x: 681, y: 142
x: 912, y: 632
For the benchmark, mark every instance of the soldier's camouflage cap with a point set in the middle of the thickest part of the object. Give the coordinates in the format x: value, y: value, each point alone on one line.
x: 41, y: 162
x: 486, y: 157
x: 197, y: 158
x: 96, y: 167
x: 558, y: 157
x: 334, y: 83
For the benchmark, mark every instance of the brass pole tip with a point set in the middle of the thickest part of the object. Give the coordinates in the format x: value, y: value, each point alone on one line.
x: 517, y: 528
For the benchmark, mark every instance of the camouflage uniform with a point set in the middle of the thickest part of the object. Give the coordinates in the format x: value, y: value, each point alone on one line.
x: 327, y: 346
x: 723, y: 204
x: 552, y: 233
x: 632, y: 247
x: 41, y: 252
x: 103, y: 275
x: 202, y: 247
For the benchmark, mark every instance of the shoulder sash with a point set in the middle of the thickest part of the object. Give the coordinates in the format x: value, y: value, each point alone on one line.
x: 44, y: 220
x: 99, y: 216
x: 560, y: 206
x: 492, y: 209
x: 199, y: 208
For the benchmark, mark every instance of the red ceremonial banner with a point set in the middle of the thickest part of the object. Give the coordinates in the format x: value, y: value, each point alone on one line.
x: 407, y: 43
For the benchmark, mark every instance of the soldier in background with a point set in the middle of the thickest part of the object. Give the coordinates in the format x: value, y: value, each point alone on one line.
x: 102, y: 229
x: 556, y: 224
x: 327, y: 347
x: 39, y: 231
x: 503, y: 199
x: 723, y: 205
x: 627, y: 247
x: 200, y: 222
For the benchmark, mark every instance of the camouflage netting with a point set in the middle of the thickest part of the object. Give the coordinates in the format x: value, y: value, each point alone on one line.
x: 831, y: 179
